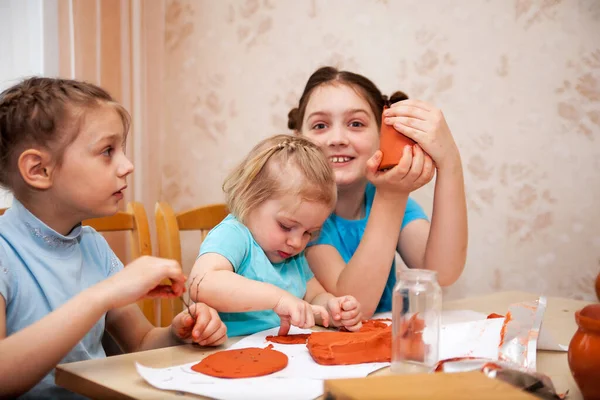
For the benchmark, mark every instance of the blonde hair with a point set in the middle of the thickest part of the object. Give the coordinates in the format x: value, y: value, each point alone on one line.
x: 278, y: 165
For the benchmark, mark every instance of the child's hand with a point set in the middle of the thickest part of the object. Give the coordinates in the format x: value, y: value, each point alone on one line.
x: 297, y: 312
x: 414, y: 170
x: 141, y: 278
x: 427, y: 126
x: 204, y: 326
x: 345, y: 312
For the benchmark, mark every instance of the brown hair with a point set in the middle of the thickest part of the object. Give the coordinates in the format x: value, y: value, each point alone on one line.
x: 45, y: 112
x: 331, y: 75
x: 278, y: 165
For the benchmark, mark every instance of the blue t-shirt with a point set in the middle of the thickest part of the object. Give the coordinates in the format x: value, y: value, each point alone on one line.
x: 40, y: 270
x: 345, y: 236
x: 234, y: 241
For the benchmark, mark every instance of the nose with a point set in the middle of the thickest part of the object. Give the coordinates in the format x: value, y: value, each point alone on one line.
x: 337, y: 136
x: 294, y: 241
x: 125, y: 167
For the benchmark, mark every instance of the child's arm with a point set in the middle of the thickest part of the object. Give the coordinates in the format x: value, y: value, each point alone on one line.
x: 441, y: 247
x: 343, y: 311
x: 377, y: 248
x: 133, y: 332
x: 29, y: 354
x: 214, y: 282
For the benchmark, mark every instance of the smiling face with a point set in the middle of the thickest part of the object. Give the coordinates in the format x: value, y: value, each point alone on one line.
x: 92, y: 176
x: 340, y: 121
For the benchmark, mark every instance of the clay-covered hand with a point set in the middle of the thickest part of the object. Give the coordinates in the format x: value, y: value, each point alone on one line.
x: 297, y: 312
x: 345, y: 312
x: 414, y: 170
x: 427, y: 126
x: 142, y: 279
x: 202, y: 326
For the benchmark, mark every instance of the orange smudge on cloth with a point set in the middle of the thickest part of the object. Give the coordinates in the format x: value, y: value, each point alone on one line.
x: 242, y: 363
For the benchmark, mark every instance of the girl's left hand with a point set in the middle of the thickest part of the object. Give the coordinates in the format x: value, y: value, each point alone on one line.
x: 345, y: 312
x: 204, y: 326
x: 427, y: 126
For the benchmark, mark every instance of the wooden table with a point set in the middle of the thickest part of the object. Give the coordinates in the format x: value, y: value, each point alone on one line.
x: 116, y: 377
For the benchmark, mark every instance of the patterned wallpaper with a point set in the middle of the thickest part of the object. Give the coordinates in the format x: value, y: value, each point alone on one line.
x: 518, y: 81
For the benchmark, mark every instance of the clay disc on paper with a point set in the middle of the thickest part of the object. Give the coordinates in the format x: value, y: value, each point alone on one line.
x: 300, y: 338
x: 242, y: 363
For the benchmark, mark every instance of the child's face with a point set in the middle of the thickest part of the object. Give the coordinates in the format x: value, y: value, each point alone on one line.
x: 282, y: 227
x: 343, y: 125
x: 91, y: 179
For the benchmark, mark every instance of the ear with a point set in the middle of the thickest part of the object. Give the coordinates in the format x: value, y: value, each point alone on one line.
x: 36, y: 168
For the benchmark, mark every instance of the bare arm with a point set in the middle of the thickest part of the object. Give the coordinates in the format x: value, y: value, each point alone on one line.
x: 441, y: 246
x: 226, y: 291
x: 133, y: 332
x: 446, y: 240
x: 366, y: 273
x: 26, y: 359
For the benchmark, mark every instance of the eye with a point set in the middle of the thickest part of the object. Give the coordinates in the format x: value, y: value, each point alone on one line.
x: 356, y: 124
x: 108, y: 151
x: 284, y: 228
x: 319, y: 126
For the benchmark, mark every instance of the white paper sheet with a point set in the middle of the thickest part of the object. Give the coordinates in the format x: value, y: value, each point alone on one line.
x: 545, y: 341
x: 464, y: 333
x: 301, y: 379
x: 182, y: 378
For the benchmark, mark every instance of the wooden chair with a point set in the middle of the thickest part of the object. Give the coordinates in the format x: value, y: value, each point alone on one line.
x: 135, y: 221
x: 168, y: 228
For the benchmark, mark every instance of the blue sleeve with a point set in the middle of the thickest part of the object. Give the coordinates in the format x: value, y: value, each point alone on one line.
x: 228, y: 240
x: 6, y: 276
x: 109, y: 259
x: 413, y: 211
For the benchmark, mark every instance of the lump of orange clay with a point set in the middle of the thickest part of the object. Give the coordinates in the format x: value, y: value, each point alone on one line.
x: 373, y: 325
x: 494, y: 315
x: 411, y: 345
x: 242, y: 363
x: 344, y: 348
x: 300, y: 338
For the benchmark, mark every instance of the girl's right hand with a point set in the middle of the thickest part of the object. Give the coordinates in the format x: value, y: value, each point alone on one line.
x: 414, y: 170
x: 142, y: 279
x: 297, y: 312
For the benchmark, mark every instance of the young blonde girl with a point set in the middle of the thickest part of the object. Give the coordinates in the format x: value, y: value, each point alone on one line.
x: 62, y: 156
x: 251, y: 267
x: 374, y: 216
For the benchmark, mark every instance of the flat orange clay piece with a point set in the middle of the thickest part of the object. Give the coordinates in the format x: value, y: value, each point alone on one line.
x: 300, y: 338
x: 494, y: 315
x: 344, y: 348
x: 243, y: 363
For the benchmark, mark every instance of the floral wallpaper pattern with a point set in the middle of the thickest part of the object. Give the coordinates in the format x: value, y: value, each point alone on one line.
x: 518, y: 81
